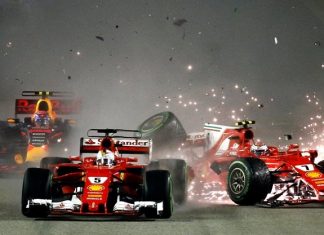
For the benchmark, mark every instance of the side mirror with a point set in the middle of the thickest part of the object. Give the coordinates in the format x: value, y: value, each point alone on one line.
x: 13, y: 120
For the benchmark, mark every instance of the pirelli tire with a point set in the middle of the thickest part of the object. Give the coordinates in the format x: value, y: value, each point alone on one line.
x: 249, y: 181
x: 178, y: 169
x: 158, y: 188
x: 164, y: 129
x: 36, y: 185
x: 50, y: 162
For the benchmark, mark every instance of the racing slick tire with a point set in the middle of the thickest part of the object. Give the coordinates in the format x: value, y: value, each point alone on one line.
x: 249, y: 181
x: 36, y: 185
x: 158, y: 188
x: 164, y: 129
x: 50, y: 162
x: 179, y: 173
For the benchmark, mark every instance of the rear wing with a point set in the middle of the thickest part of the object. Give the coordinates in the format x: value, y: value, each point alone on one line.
x: 196, y: 139
x: 213, y: 133
x: 123, y: 145
x: 44, y: 103
x: 208, y: 137
x: 45, y: 94
x: 59, y: 106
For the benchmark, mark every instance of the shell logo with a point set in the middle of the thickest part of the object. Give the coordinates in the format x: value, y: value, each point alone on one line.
x: 96, y: 188
x: 313, y: 174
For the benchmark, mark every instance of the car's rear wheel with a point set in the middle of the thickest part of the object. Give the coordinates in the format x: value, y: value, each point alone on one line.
x: 158, y: 188
x: 36, y: 185
x: 249, y: 181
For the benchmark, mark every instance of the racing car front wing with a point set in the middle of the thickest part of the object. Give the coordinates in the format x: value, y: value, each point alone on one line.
x: 73, y: 206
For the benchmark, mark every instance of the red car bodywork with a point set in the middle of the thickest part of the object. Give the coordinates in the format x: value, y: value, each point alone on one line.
x: 295, y: 176
x: 84, y: 185
x: 96, y: 182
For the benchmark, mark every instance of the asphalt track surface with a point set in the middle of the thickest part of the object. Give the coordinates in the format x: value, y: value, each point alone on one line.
x: 192, y: 219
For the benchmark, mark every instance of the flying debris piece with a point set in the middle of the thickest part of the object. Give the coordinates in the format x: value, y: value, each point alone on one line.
x: 288, y: 137
x: 179, y: 22
x: 100, y: 38
x: 167, y: 18
x: 116, y: 26
x: 69, y: 77
x: 9, y: 44
x: 20, y: 81
x: 171, y: 58
x: 276, y: 40
x: 184, y: 35
x: 317, y: 43
x: 260, y: 106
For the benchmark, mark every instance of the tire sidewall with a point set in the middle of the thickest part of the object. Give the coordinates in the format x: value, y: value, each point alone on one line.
x: 179, y: 176
x: 36, y: 185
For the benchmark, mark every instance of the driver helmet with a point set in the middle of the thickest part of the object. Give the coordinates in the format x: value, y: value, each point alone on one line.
x: 105, y: 156
x: 259, y: 148
x: 41, y: 118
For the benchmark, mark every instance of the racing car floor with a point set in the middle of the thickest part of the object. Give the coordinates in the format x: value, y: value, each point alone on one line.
x: 194, y: 218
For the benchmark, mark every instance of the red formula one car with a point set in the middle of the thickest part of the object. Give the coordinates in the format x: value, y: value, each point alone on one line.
x: 103, y: 180
x: 227, y: 159
x: 256, y: 173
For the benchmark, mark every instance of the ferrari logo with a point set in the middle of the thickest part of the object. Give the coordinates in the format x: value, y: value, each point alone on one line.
x: 96, y: 188
x: 314, y: 174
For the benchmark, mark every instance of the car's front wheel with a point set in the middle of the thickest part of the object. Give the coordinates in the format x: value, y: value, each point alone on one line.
x: 36, y: 185
x: 158, y: 188
x: 249, y: 181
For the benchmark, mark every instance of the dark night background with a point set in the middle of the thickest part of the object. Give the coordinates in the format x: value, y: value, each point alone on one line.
x: 206, y: 61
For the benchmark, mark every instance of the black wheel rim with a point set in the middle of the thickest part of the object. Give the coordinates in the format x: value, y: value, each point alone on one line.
x: 237, y: 181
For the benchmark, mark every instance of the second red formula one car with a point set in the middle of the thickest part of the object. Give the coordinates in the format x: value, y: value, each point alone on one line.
x: 257, y: 173
x: 103, y: 180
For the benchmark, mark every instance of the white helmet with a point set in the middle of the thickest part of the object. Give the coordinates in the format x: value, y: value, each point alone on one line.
x: 259, y: 149
x: 106, y: 158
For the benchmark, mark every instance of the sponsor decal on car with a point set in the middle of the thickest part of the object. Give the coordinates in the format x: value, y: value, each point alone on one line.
x: 133, y: 142
x: 320, y: 182
x: 89, y: 141
x: 94, y: 197
x: 96, y: 187
x: 313, y: 174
